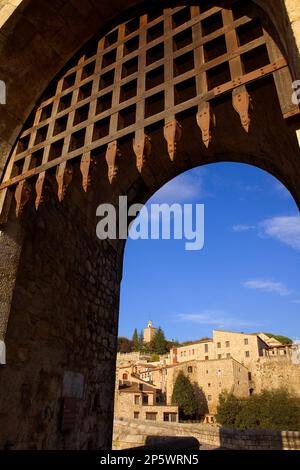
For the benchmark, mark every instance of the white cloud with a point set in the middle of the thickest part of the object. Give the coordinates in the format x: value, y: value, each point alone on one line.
x: 216, y: 318
x: 285, y: 229
x: 183, y: 188
x: 267, y: 286
x: 242, y: 228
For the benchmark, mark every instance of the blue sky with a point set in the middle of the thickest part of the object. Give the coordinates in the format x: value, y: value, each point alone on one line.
x: 247, y: 276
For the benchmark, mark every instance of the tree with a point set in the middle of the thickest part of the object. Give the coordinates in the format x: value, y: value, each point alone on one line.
x: 135, y: 340
x: 184, y: 396
x: 271, y: 409
x: 280, y: 338
x: 141, y: 340
x: 154, y: 358
x: 228, y: 410
x: 124, y: 345
x: 158, y: 344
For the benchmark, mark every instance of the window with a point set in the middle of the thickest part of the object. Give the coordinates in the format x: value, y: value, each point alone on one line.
x: 209, y: 397
x: 249, y: 376
x: 219, y: 356
x: 246, y: 341
x: 206, y: 348
x: 151, y: 416
x: 136, y: 415
x: 193, y: 352
x: 247, y: 353
x: 209, y: 385
x: 190, y: 369
x: 206, y: 358
x: 145, y: 399
x: 228, y: 355
x: 136, y: 399
x: 219, y: 345
x: 227, y: 344
x: 170, y: 417
x: 125, y: 376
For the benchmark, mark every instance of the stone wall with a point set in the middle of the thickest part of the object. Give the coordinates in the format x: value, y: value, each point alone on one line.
x: 61, y: 333
x: 128, y: 434
x: 274, y: 372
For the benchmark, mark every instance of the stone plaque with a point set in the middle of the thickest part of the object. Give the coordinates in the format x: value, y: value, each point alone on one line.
x: 73, y: 385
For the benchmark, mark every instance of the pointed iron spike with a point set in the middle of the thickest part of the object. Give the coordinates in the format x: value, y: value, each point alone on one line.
x: 206, y: 121
x: 142, y: 148
x: 60, y: 181
x: 172, y: 134
x: 242, y: 104
x: 39, y: 189
x: 112, y: 155
x: 64, y: 177
x: 85, y: 170
x: 22, y: 196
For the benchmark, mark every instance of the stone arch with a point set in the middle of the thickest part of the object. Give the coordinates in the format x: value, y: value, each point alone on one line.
x: 55, y: 34
x: 59, y: 312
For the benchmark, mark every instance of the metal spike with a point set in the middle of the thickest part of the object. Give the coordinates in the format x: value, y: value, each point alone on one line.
x: 172, y: 134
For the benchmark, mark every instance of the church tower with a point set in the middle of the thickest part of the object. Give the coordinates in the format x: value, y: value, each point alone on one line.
x: 149, y: 332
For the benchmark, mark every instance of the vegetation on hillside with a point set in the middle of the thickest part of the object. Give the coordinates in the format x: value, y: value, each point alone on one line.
x: 274, y: 409
x: 159, y: 345
x: 280, y: 338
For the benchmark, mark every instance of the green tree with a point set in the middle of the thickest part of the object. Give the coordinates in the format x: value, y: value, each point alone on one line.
x: 125, y: 345
x: 228, y: 410
x: 135, y: 340
x: 184, y: 396
x: 280, y: 338
x: 141, y: 340
x: 158, y: 344
x: 154, y: 357
x: 271, y: 409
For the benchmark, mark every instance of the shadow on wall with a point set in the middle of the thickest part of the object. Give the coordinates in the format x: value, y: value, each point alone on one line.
x: 249, y: 439
x: 171, y: 443
x: 202, y: 400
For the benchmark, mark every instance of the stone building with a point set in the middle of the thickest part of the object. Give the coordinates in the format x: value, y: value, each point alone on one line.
x: 149, y: 332
x: 234, y: 362
x: 244, y: 348
x: 143, y: 402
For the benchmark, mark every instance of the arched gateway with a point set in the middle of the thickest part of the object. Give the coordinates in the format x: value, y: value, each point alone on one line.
x: 153, y: 95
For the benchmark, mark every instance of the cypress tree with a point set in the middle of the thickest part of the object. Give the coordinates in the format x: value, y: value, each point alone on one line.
x: 184, y: 396
x: 135, y: 340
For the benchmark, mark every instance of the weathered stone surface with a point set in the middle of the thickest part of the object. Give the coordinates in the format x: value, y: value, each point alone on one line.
x: 129, y: 433
x: 59, y: 285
